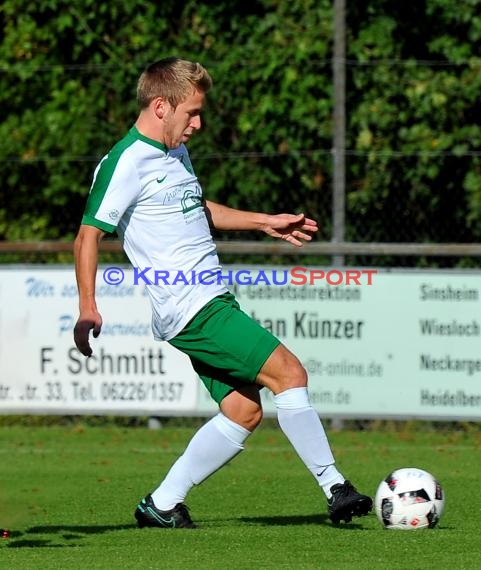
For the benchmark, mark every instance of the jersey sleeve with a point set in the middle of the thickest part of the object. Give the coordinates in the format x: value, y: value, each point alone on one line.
x: 115, y: 186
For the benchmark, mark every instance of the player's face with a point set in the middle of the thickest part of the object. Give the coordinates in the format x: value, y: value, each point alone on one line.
x: 181, y: 122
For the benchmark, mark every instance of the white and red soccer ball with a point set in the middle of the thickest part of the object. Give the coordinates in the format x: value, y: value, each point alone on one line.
x: 409, y: 499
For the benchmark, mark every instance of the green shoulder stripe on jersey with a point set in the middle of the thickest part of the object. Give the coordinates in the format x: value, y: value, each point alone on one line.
x: 90, y: 221
x: 103, y: 177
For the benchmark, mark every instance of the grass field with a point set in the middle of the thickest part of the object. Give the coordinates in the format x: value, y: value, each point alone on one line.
x: 68, y: 494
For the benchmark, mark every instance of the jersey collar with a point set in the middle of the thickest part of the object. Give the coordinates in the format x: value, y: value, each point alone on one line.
x: 135, y: 132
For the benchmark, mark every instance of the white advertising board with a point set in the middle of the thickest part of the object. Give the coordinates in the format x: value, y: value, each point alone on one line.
x: 42, y: 371
x: 381, y: 344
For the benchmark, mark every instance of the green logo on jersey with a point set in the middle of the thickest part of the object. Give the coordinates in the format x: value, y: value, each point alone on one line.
x: 190, y: 201
x: 160, y: 180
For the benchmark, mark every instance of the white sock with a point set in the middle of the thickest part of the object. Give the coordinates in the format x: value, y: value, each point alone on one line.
x: 303, y: 428
x: 213, y: 445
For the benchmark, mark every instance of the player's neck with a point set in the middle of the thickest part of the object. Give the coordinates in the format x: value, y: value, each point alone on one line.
x: 149, y: 130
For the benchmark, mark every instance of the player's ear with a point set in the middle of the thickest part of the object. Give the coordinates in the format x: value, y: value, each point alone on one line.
x: 159, y: 106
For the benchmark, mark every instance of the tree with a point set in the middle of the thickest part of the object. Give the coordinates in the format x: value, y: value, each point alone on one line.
x: 414, y: 121
x: 67, y: 93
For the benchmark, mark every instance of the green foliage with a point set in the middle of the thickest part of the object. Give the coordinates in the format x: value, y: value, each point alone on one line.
x: 68, y: 84
x: 68, y: 74
x: 417, y: 120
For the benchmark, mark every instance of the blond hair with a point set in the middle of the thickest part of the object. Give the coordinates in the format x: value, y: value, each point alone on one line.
x: 172, y: 79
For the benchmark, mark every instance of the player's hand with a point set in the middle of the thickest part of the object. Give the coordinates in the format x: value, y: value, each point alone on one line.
x: 291, y: 228
x: 85, y: 324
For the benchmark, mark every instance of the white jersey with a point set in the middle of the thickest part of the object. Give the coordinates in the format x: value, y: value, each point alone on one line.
x: 151, y: 196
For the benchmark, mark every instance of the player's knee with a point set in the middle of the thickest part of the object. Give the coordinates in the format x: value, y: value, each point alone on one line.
x: 282, y: 371
x: 252, y: 418
x: 243, y: 407
x: 249, y: 417
x: 294, y: 377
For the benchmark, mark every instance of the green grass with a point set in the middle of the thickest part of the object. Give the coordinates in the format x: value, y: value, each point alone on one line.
x: 68, y: 494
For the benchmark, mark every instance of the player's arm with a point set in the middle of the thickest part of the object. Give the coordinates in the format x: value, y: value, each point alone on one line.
x: 289, y: 227
x: 86, y: 258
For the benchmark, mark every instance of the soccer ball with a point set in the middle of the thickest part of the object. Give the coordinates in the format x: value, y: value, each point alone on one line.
x: 409, y: 499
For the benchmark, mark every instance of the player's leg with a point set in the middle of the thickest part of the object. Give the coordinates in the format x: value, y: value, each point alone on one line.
x: 243, y: 407
x: 227, y: 350
x: 284, y: 375
x: 213, y: 445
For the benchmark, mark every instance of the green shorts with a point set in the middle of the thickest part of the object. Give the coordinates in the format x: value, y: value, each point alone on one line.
x: 227, y: 348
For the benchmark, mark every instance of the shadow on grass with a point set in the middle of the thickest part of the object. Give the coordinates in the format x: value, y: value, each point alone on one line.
x: 295, y: 520
x: 82, y: 529
x: 65, y: 535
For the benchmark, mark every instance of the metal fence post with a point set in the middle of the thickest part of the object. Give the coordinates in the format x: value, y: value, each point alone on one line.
x: 339, y: 135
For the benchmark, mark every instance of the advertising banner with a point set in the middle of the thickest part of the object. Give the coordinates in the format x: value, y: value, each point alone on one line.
x: 375, y: 343
x: 42, y: 371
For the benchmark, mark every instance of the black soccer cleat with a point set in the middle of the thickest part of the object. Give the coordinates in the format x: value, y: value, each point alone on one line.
x: 346, y: 503
x: 147, y: 514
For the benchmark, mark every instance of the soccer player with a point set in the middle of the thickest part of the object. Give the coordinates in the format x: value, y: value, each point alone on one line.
x: 146, y: 190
